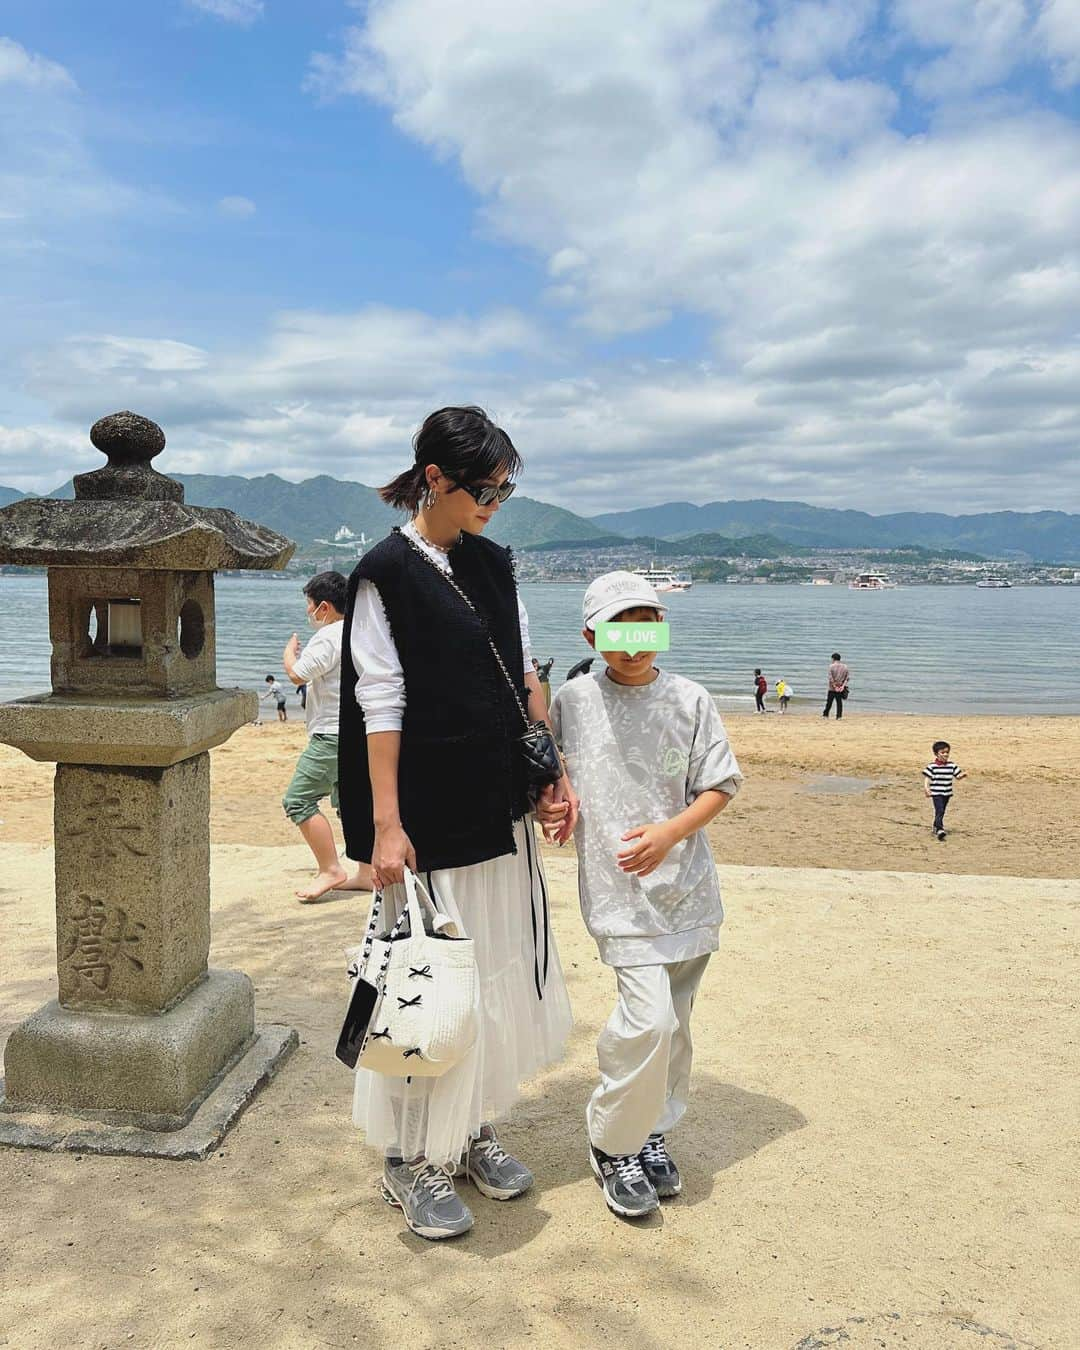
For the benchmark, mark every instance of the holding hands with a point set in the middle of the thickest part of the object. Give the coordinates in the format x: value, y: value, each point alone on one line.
x: 557, y: 811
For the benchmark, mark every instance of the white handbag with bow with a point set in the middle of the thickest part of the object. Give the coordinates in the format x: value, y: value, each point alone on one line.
x: 427, y: 1015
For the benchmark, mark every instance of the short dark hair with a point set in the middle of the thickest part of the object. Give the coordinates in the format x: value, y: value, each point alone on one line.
x: 628, y: 608
x: 938, y: 746
x: 757, y: 670
x: 330, y: 587
x: 269, y: 679
x: 835, y: 656
x: 464, y: 442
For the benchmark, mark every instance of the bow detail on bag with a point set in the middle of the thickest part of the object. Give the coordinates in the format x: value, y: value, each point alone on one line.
x: 443, y: 1021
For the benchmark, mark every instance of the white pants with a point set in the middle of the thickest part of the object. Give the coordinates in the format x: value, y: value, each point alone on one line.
x: 645, y: 1053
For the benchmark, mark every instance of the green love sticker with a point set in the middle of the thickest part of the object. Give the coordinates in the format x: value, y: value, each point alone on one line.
x: 633, y: 637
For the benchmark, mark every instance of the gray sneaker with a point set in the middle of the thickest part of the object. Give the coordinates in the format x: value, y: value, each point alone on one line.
x: 425, y: 1195
x: 627, y: 1190
x: 659, y: 1167
x: 492, y: 1170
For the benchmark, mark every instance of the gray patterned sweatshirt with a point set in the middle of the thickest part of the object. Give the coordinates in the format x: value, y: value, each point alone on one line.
x: 638, y: 755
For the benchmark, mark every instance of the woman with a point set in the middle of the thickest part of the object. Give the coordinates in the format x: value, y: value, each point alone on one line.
x: 431, y: 778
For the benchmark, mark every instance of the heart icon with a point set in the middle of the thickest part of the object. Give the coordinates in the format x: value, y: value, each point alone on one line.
x: 614, y: 634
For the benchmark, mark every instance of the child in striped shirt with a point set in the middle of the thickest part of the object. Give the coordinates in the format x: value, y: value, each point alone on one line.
x: 940, y: 777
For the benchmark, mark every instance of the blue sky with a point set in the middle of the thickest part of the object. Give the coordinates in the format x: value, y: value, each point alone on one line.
x: 826, y: 250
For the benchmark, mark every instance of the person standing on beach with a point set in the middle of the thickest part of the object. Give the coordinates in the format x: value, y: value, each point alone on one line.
x: 783, y: 694
x: 839, y: 676
x: 275, y: 691
x: 761, y: 688
x: 432, y: 778
x: 648, y: 753
x: 318, y: 667
x: 939, y: 777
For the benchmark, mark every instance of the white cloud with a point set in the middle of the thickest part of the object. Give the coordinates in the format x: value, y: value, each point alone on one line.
x: 1058, y: 31
x: 979, y: 41
x: 891, y: 316
x: 336, y: 393
x: 38, y: 458
x: 20, y: 67
x: 821, y: 419
x: 806, y: 35
x: 236, y: 208
x: 864, y: 286
x: 230, y: 11
x: 49, y: 176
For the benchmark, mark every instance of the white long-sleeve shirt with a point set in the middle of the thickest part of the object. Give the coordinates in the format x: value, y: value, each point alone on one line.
x: 380, y: 681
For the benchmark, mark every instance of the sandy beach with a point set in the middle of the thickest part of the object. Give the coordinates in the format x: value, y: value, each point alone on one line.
x: 880, y: 1150
x: 817, y: 794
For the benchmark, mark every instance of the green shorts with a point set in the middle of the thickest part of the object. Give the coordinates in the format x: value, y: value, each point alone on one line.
x: 314, y: 778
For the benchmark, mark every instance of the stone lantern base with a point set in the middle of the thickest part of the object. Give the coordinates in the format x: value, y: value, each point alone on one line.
x: 149, y: 1059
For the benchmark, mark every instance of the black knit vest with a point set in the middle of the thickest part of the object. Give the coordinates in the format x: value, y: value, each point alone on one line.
x: 461, y: 780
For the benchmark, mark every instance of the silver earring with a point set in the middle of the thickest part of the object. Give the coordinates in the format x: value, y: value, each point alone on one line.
x: 431, y: 498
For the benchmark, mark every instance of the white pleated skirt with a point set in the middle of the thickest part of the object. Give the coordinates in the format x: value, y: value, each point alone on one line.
x: 525, y: 1017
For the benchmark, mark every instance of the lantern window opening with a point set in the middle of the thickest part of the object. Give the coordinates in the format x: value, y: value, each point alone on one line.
x: 124, y: 627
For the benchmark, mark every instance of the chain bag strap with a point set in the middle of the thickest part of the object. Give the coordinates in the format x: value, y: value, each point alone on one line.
x: 537, y: 745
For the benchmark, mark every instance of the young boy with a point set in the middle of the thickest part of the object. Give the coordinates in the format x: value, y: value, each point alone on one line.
x: 938, y: 786
x: 275, y: 691
x: 648, y: 756
x: 316, y: 776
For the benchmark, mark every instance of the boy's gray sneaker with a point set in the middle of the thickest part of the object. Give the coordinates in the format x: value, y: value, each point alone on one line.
x: 627, y: 1190
x: 425, y: 1195
x: 492, y: 1170
x: 659, y: 1167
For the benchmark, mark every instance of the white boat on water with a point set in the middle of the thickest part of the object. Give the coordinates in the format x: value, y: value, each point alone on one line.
x: 662, y: 580
x: 872, y: 581
x: 993, y: 584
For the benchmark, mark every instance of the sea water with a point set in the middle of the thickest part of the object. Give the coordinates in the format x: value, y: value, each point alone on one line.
x: 946, y: 649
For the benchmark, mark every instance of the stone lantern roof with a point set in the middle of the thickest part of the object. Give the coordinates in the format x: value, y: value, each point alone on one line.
x: 131, y: 610
x: 126, y: 514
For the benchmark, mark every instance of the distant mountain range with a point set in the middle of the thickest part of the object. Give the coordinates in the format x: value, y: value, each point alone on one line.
x: 1047, y: 536
x: 314, y: 510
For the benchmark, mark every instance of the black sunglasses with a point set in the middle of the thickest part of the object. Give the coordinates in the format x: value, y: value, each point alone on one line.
x: 484, y: 496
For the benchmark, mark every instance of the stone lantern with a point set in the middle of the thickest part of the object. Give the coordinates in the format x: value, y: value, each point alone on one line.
x: 146, y: 1050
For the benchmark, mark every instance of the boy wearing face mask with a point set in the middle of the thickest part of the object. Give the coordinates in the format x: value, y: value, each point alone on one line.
x: 318, y: 666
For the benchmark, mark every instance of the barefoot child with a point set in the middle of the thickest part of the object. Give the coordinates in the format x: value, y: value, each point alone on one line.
x: 647, y: 753
x: 319, y: 667
x: 939, y: 776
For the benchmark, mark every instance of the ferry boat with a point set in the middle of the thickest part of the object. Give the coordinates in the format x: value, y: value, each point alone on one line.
x: 871, y: 581
x: 662, y: 580
x: 993, y: 584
